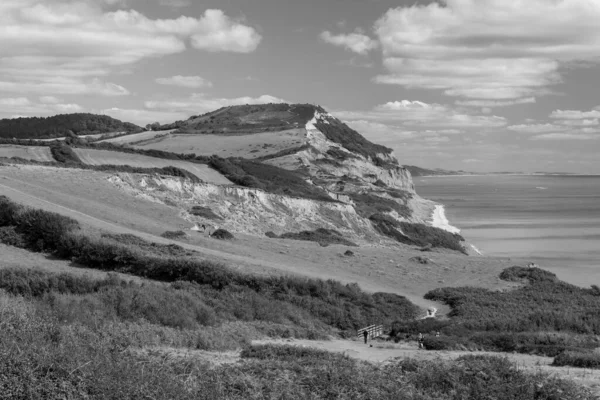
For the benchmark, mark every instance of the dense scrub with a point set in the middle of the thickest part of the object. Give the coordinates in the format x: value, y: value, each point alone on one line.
x: 64, y: 154
x: 222, y: 234
x: 416, y: 234
x: 204, y: 212
x: 544, y: 316
x: 42, y: 356
x: 332, y: 303
x: 321, y: 235
x: 367, y: 204
x: 62, y: 125
x: 270, y: 178
x: 578, y: 359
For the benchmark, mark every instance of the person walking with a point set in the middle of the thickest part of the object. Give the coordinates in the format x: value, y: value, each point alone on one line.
x: 420, y: 340
x: 366, y: 336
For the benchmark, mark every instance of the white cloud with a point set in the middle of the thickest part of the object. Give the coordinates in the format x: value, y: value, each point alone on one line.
x: 575, y: 114
x: 217, y: 32
x: 194, y: 82
x: 65, y: 47
x: 495, y: 103
x: 424, y: 115
x: 175, y: 3
x: 565, y: 136
x: 580, y: 122
x: 487, y: 49
x: 471, y: 160
x: 23, y: 106
x: 537, y: 128
x: 356, y: 42
x: 49, y: 99
x: 143, y: 117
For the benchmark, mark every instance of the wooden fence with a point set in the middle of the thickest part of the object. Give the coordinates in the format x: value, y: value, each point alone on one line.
x: 373, y: 331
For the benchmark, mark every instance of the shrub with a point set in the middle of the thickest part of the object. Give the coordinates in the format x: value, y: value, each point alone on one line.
x: 9, y: 236
x: 322, y: 236
x: 271, y: 235
x: 64, y: 154
x: 287, y: 353
x: 222, y: 234
x: 204, y: 212
x: 174, y: 235
x: 578, y: 359
x: 519, y: 274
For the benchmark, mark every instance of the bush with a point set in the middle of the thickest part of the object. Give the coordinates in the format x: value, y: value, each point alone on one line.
x: 320, y: 235
x: 204, y: 212
x: 174, y: 235
x: 578, y: 359
x: 64, y: 154
x: 287, y: 353
x: 10, y: 237
x: 222, y: 234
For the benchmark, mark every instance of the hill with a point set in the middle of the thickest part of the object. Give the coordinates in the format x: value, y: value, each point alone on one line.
x: 62, y: 125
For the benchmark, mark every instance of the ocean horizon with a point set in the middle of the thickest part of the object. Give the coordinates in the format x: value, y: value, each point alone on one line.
x: 551, y: 220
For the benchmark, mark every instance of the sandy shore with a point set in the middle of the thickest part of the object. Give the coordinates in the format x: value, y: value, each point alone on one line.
x: 439, y: 220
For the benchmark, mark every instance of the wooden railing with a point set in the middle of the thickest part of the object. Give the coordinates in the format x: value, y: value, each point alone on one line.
x: 373, y: 331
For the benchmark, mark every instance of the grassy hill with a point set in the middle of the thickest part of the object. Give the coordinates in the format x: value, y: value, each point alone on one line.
x: 62, y: 125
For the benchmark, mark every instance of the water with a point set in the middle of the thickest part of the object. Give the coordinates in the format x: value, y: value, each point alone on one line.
x: 552, y: 220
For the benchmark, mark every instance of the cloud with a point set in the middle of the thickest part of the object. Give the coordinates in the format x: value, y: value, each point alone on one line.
x: 487, y: 49
x: 537, y: 128
x: 565, y: 136
x: 64, y: 47
x: 423, y: 115
x: 471, y: 160
x: 495, y: 103
x: 143, y: 117
x: 356, y: 42
x: 575, y: 114
x: 216, y: 32
x: 174, y: 3
x: 194, y: 82
x: 23, y: 106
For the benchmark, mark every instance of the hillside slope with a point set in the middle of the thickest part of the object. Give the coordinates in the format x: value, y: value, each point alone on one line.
x: 62, y: 125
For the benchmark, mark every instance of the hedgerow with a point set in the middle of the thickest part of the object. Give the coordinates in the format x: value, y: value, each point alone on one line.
x: 320, y: 235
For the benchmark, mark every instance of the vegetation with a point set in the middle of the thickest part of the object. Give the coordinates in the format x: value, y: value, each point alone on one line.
x: 64, y: 125
x: 222, y: 234
x: 45, y: 356
x: 267, y: 177
x: 283, y: 153
x: 544, y: 316
x: 320, y: 235
x: 204, y: 212
x: 368, y: 204
x: 168, y: 171
x: 274, y: 299
x: 416, y: 234
x: 578, y: 359
x: 340, y: 133
x: 64, y: 154
x: 174, y: 235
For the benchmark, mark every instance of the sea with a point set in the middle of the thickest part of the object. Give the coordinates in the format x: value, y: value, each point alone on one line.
x: 550, y: 220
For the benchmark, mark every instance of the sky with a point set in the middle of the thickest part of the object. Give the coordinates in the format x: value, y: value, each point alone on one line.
x: 475, y: 85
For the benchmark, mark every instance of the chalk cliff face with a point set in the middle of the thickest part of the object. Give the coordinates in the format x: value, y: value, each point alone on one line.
x: 362, y: 177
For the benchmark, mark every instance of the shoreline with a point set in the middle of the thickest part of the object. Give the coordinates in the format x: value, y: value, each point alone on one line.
x: 439, y: 220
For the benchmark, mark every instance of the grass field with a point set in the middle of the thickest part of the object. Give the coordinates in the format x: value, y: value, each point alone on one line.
x: 136, y: 137
x: 103, y: 157
x: 246, y: 146
x: 36, y: 153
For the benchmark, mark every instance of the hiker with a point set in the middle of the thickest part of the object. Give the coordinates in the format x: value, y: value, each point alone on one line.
x: 366, y: 336
x: 203, y: 228
x: 420, y: 340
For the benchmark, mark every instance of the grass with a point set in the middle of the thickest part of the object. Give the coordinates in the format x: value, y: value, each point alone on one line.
x: 286, y: 300
x: 166, y: 171
x: 545, y: 316
x: 321, y: 235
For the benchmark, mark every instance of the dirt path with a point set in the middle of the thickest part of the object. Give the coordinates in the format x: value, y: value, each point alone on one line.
x: 384, y: 352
